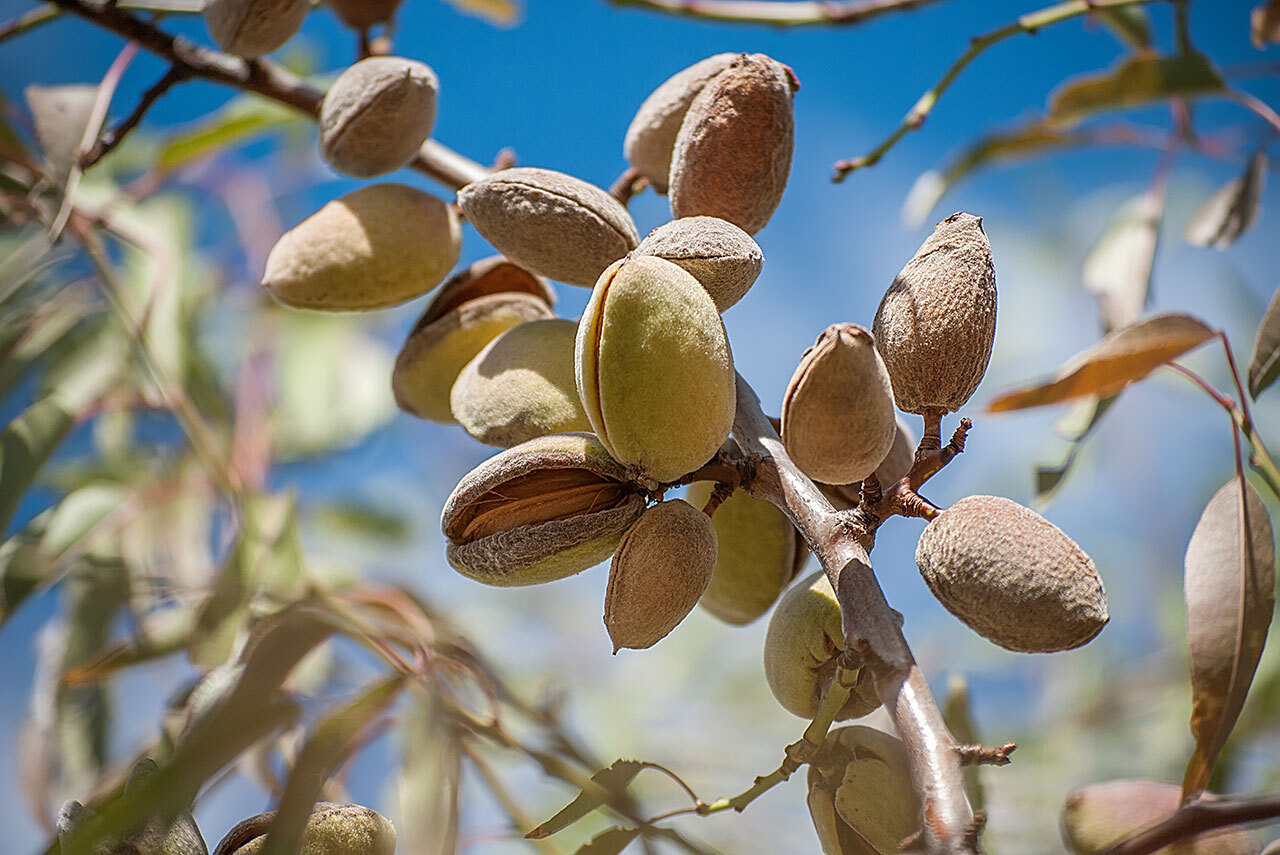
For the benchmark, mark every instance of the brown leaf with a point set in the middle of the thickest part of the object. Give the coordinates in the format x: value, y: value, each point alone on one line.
x: 1117, y: 271
x: 1231, y: 594
x: 1264, y: 24
x: 1123, y: 357
x: 1138, y: 80
x: 1264, y: 366
x: 1228, y: 213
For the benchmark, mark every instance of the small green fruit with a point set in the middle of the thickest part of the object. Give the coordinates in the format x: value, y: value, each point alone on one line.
x: 378, y: 246
x: 377, y: 114
x: 251, y: 28
x: 720, y: 255
x: 860, y: 794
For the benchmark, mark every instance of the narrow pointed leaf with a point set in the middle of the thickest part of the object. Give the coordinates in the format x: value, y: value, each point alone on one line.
x: 430, y: 776
x: 607, y: 784
x: 1085, y: 417
x: 1122, y: 357
x: 1264, y: 24
x: 1130, y: 24
x: 1117, y: 271
x: 1138, y: 80
x: 1264, y: 365
x: 611, y: 841
x: 1228, y: 213
x: 242, y: 120
x: 1231, y: 593
x: 61, y: 116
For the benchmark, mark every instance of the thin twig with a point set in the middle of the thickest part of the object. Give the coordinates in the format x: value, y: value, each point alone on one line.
x: 987, y: 755
x: 1198, y: 817
x: 108, y: 141
x: 779, y: 14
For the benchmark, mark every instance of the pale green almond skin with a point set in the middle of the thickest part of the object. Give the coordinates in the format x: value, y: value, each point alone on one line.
x: 937, y: 322
x: 550, y: 223
x: 337, y: 830
x: 860, y: 793
x: 1012, y: 576
x: 724, y: 258
x: 800, y: 648
x: 435, y: 354
x: 654, y: 370
x: 378, y: 246
x: 521, y: 386
x: 551, y: 541
x: 652, y: 134
x: 1100, y: 815
x: 377, y: 114
x: 251, y: 28
x: 837, y: 417
x: 756, y: 557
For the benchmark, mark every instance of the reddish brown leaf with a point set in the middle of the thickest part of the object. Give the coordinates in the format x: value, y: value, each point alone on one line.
x: 1231, y: 593
x: 1123, y: 357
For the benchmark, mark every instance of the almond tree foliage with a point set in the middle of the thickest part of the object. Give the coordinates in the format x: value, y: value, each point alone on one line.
x: 168, y: 538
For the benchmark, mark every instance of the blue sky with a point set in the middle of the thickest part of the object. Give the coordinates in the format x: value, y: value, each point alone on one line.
x: 560, y: 89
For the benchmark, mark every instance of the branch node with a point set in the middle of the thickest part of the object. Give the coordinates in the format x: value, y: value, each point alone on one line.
x: 993, y: 755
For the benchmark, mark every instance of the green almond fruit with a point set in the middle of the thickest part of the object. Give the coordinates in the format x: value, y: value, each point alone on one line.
x: 521, y: 386
x: 804, y: 640
x: 378, y: 246
x: 663, y: 564
x: 756, y: 558
x: 470, y: 310
x: 251, y: 28
x: 860, y: 793
x: 554, y: 224
x: 652, y: 134
x: 1012, y: 576
x: 937, y: 322
x: 720, y: 255
x: 541, y: 511
x: 377, y: 114
x: 732, y: 156
x: 1098, y: 816
x: 838, y: 421
x: 332, y: 829
x: 654, y: 369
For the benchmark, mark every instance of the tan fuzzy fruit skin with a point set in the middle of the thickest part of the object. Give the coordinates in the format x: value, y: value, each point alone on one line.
x: 553, y: 224
x: 733, y: 153
x: 377, y: 114
x: 937, y: 322
x: 361, y: 14
x: 377, y: 246
x: 251, y: 28
x: 804, y: 638
x: 860, y: 793
x: 720, y: 255
x: 838, y: 420
x: 661, y: 568
x: 756, y: 556
x: 1012, y: 576
x: 335, y: 830
x: 653, y: 368
x: 550, y: 540
x: 652, y: 134
x: 895, y: 466
x: 1096, y: 817
x: 521, y: 386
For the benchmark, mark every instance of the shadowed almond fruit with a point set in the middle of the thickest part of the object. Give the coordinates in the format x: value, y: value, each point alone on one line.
x: 1012, y: 576
x: 937, y: 321
x: 837, y: 417
x: 661, y: 568
x: 521, y: 386
x: 720, y: 255
x: 550, y: 223
x: 179, y: 836
x: 653, y: 368
x: 472, y: 309
x: 860, y: 795
x: 733, y: 153
x: 1098, y: 816
x: 652, y: 133
x: 362, y: 14
x: 895, y: 466
x: 544, y: 510
x: 332, y: 829
x: 377, y: 246
x: 251, y: 28
x: 377, y: 114
x: 805, y: 638
x: 757, y: 555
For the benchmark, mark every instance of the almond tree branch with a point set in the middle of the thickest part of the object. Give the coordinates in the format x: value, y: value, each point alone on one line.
x: 869, y: 628
x: 1195, y: 818
x: 261, y: 76
x: 108, y: 140
x: 779, y: 14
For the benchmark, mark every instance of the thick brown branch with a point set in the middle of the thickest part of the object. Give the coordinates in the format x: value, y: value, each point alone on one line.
x: 794, y: 13
x: 261, y: 76
x: 1198, y: 817
x: 869, y: 627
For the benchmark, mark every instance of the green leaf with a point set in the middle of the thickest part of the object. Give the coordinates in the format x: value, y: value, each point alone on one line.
x: 242, y: 120
x: 1117, y: 271
x: 1264, y: 365
x: 607, y: 784
x: 1136, y: 81
x: 1130, y: 24
x: 1123, y: 357
x: 1231, y: 594
x: 360, y: 520
x: 611, y: 841
x: 1228, y: 213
